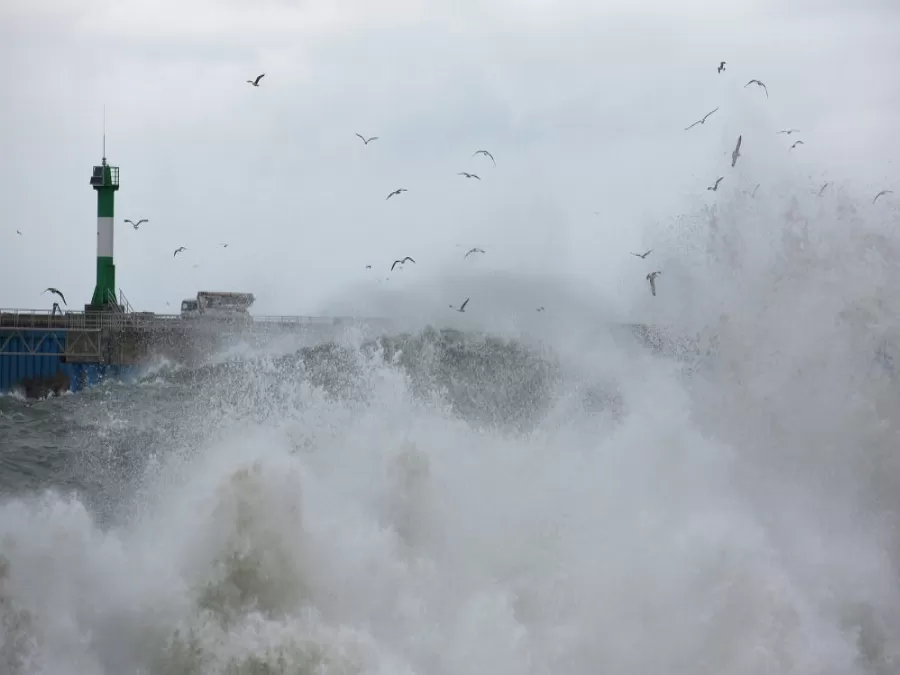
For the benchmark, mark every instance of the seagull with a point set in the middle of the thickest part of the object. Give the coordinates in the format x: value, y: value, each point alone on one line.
x: 716, y: 186
x: 473, y: 250
x: 883, y: 192
x: 396, y: 192
x: 179, y: 250
x: 721, y: 66
x: 400, y: 262
x: 367, y: 140
x: 18, y: 233
x: 642, y: 255
x: 462, y: 307
x: 789, y: 131
x: 652, y: 279
x: 758, y: 83
x: 255, y: 82
x: 796, y: 143
x: 137, y: 224
x: 822, y: 189
x: 57, y: 292
x: 224, y: 245
x: 540, y: 309
x: 486, y: 154
x: 368, y: 267
x: 468, y: 175
x: 702, y: 121
x: 736, y: 153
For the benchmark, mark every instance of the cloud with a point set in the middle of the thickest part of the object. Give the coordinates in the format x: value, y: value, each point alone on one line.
x: 583, y: 105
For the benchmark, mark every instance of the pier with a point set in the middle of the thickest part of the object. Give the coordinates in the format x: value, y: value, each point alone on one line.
x: 42, y: 352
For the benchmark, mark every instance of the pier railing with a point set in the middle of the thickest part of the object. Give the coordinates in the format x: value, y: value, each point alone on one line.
x: 38, y: 319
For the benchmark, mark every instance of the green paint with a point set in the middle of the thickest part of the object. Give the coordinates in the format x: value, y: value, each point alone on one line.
x: 106, y: 198
x: 106, y: 282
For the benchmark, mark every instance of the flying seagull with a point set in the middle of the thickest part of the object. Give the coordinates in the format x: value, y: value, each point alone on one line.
x: 255, y: 82
x: 789, y: 131
x: 137, y: 224
x: 18, y: 233
x: 736, y: 153
x: 224, y: 245
x: 652, y: 279
x: 540, y: 309
x: 758, y: 83
x: 716, y: 185
x: 468, y: 175
x: 796, y: 143
x: 396, y: 192
x: 473, y: 250
x: 823, y: 189
x: 367, y: 140
x: 721, y: 66
x: 883, y: 192
x: 642, y: 255
x: 368, y: 267
x: 701, y: 121
x: 400, y: 262
x: 179, y: 250
x: 462, y: 307
x: 56, y: 291
x: 486, y: 154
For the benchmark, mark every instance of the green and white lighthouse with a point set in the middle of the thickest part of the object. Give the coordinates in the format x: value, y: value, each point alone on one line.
x: 105, y: 180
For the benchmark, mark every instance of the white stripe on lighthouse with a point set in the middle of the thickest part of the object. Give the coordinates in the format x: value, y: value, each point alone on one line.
x: 105, y: 237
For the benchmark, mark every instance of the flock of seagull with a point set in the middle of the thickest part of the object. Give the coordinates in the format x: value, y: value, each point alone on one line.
x: 650, y: 277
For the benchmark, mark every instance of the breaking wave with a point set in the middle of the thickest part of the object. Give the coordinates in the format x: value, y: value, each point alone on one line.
x: 717, y: 497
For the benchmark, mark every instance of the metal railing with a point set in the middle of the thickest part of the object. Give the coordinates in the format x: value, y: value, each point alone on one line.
x: 43, y: 319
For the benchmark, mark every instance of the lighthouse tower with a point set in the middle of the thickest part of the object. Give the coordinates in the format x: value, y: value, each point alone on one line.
x: 105, y: 180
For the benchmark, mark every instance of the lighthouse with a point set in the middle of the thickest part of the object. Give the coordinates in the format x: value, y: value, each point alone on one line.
x: 105, y: 180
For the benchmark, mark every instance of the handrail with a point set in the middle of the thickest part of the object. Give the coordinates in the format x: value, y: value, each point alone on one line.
x: 78, y: 320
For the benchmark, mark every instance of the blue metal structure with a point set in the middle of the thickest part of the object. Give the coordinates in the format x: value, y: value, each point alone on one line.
x: 37, y: 354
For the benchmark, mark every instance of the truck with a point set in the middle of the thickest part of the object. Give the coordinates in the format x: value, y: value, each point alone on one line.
x: 218, y: 305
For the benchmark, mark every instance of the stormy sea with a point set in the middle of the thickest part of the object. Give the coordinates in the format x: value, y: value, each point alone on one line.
x: 710, y: 486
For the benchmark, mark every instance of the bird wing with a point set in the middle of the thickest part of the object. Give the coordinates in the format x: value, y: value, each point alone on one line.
x: 129, y: 221
x: 692, y: 126
x: 463, y: 306
x: 396, y: 262
x: 408, y: 258
x: 259, y: 78
x: 374, y: 138
x: 709, y: 113
x: 142, y: 220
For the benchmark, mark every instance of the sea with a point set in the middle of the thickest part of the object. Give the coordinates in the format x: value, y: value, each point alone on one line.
x: 714, y: 494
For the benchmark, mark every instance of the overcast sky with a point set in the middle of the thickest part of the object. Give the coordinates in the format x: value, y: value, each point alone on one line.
x: 583, y: 103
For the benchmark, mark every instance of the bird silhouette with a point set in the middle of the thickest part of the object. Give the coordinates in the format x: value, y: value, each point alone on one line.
x: 179, y: 250
x: 736, y: 153
x: 137, y: 224
x: 652, y: 279
x: 721, y: 66
x: 701, y: 121
x: 789, y: 131
x: 468, y: 175
x: 796, y: 143
x: 642, y: 255
x: 56, y: 292
x: 473, y: 250
x: 758, y: 83
x: 365, y: 140
x: 715, y: 186
x: 255, y: 82
x: 400, y: 262
x: 822, y: 189
x: 396, y: 192
x: 540, y: 309
x: 883, y: 192
x: 486, y: 154
x: 462, y: 307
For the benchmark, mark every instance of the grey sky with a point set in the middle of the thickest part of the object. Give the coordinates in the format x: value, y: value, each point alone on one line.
x: 582, y: 103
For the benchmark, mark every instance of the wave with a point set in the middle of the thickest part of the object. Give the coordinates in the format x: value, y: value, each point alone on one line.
x: 719, y: 496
